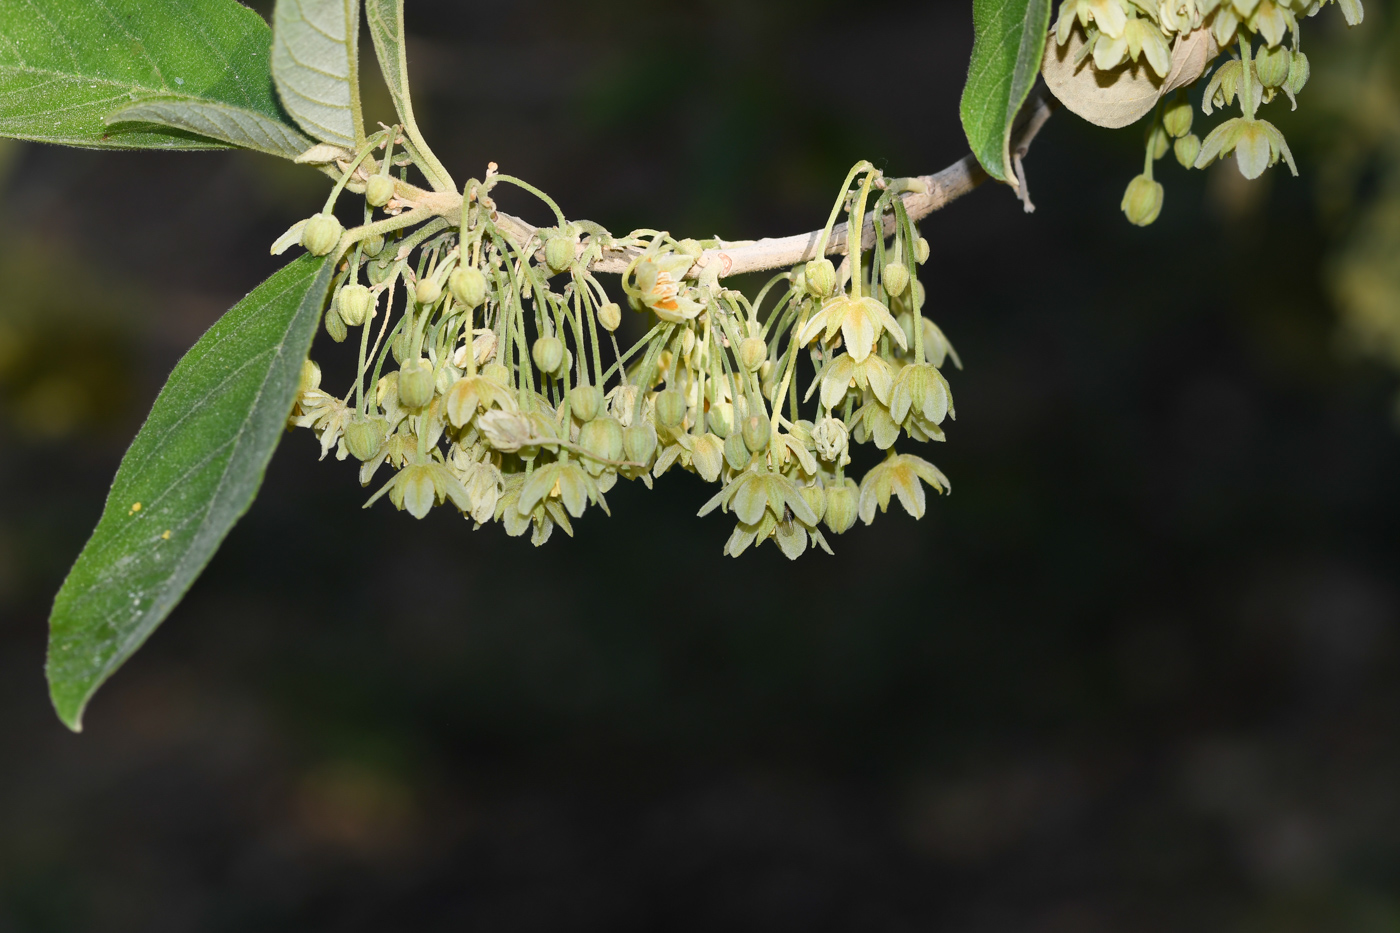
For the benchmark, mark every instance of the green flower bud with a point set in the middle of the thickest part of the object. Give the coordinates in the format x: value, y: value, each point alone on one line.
x: 1158, y: 142
x: 670, y: 408
x: 1142, y: 202
x: 639, y: 442
x: 921, y: 251
x: 1187, y: 149
x: 497, y: 373
x: 602, y: 437
x: 821, y: 277
x: 372, y: 246
x: 1177, y: 117
x: 585, y: 402
x: 719, y: 422
x: 335, y: 326
x: 468, y: 285
x: 815, y: 496
x: 757, y: 430
x: 896, y: 278
x: 690, y: 247
x: 321, y: 234
x: 364, y: 436
x: 610, y: 316
x: 753, y: 353
x: 353, y: 304
x: 736, y: 452
x: 548, y: 353
x: 1272, y: 66
x: 417, y: 383
x: 1298, y: 73
x: 558, y: 253
x: 379, y: 190
x: 428, y: 290
x: 842, y: 506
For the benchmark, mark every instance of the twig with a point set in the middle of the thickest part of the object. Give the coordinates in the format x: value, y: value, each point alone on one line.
x: 739, y: 257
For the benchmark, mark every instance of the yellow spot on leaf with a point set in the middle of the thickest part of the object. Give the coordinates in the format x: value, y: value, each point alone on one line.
x: 135, y: 507
x: 166, y: 536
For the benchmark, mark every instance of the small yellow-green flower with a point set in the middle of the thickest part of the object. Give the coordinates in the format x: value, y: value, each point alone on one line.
x: 860, y: 321
x: 899, y: 475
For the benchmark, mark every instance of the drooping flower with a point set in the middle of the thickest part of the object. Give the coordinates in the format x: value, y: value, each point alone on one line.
x: 899, y: 474
x: 860, y: 321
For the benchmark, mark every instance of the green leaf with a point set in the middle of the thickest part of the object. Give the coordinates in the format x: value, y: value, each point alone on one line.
x: 66, y: 64
x: 385, y: 20
x: 1006, y: 53
x: 315, y: 62
x: 192, y: 471
x: 246, y: 129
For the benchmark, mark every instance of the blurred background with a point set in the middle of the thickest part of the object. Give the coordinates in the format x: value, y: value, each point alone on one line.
x: 1138, y: 673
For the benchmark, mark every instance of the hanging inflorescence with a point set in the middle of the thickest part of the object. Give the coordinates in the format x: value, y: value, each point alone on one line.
x: 1172, y: 43
x: 490, y: 377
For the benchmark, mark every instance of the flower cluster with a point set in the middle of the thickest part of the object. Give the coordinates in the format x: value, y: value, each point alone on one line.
x: 1158, y: 35
x: 500, y: 390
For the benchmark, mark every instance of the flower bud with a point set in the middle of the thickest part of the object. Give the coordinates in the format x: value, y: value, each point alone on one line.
x: 497, y: 373
x: 1177, y: 117
x: 757, y: 430
x: 670, y: 407
x: 921, y: 251
x: 468, y: 286
x: 353, y: 304
x: 372, y: 246
x: 428, y: 290
x: 821, y: 277
x: 690, y: 247
x: 1158, y: 142
x: 1272, y: 66
x: 753, y: 353
x: 1298, y: 73
x: 719, y: 421
x: 639, y: 442
x: 379, y: 190
x: 558, y: 253
x: 585, y: 402
x: 602, y: 437
x: 842, y: 506
x: 1187, y: 149
x: 321, y: 234
x: 896, y: 278
x: 1142, y: 202
x: 736, y: 453
x: 364, y: 436
x: 417, y: 383
x: 548, y: 353
x: 610, y: 316
x: 335, y: 325
x: 815, y: 497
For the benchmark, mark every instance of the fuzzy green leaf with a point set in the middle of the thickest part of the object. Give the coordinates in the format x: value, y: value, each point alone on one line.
x: 315, y: 62
x: 1006, y: 52
x: 194, y: 469
x: 66, y: 64
x: 246, y: 129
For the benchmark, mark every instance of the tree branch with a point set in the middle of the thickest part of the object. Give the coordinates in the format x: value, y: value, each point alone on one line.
x: 940, y: 189
x: 740, y: 257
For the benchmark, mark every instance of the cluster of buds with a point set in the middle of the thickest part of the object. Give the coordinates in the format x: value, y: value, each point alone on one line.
x: 1147, y: 34
x: 492, y: 392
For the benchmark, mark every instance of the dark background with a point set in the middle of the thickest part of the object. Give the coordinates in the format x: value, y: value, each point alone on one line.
x: 1138, y: 673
